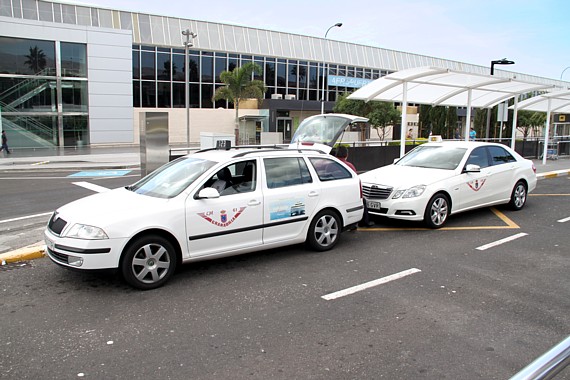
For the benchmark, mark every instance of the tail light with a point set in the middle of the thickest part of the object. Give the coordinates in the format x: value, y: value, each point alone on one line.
x: 360, y: 182
x: 533, y: 168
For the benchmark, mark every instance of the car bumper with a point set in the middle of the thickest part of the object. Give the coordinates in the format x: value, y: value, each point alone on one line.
x: 404, y: 209
x: 84, y: 254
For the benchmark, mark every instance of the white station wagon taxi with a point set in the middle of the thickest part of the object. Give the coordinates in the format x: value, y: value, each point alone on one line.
x: 209, y: 204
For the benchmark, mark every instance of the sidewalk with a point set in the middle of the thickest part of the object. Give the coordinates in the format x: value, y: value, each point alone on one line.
x: 118, y: 157
x: 129, y: 157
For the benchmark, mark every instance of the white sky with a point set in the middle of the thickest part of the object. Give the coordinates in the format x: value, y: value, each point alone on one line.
x: 533, y: 33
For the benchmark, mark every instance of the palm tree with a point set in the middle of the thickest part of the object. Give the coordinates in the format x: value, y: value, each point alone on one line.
x: 36, y: 60
x: 240, y: 86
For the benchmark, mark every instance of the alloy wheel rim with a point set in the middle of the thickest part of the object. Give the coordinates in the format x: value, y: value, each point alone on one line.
x: 326, y: 230
x: 150, y: 263
x: 439, y: 211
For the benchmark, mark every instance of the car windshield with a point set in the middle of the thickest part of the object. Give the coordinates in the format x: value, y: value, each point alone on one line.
x: 433, y: 157
x: 171, y: 179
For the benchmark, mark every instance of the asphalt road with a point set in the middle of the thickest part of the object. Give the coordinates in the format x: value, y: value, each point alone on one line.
x: 464, y: 306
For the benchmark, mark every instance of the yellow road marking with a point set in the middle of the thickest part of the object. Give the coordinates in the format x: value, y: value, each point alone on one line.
x: 509, y: 225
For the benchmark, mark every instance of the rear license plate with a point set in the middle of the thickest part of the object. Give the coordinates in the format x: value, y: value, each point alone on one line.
x: 374, y: 205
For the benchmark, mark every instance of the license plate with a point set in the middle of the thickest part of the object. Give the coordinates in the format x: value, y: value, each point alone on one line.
x: 374, y: 205
x: 49, y: 244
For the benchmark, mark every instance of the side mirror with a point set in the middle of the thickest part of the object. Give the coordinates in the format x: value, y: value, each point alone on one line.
x: 471, y: 168
x: 208, y: 193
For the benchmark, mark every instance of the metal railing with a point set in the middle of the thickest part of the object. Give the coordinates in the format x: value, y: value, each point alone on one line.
x: 548, y: 365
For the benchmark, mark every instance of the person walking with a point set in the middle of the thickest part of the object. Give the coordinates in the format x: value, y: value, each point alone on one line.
x: 5, y: 143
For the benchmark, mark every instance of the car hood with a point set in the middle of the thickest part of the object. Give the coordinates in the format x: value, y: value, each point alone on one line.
x: 109, y: 207
x: 399, y: 176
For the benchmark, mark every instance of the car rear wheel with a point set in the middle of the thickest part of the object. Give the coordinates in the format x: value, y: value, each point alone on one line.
x: 148, y: 262
x: 324, y: 231
x: 518, y: 196
x: 437, y: 211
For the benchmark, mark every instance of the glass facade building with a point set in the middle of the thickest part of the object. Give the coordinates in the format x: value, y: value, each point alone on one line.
x: 47, y: 88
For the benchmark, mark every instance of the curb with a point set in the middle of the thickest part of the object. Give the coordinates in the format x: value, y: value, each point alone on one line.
x: 35, y: 251
x: 553, y: 174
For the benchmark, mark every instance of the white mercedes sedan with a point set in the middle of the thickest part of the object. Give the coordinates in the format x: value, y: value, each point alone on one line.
x: 439, y: 179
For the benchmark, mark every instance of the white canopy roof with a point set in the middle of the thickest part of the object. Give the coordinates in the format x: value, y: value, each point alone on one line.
x: 559, y: 102
x: 444, y: 87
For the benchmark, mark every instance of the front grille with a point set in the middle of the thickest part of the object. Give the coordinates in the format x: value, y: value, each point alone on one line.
x: 376, y: 191
x: 56, y: 224
x: 57, y: 256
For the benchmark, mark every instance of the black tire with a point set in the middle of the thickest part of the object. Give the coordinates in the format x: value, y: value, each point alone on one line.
x: 437, y: 211
x: 518, y: 196
x: 324, y: 231
x: 148, y: 262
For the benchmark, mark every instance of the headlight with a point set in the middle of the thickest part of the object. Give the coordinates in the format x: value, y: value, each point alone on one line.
x: 83, y: 231
x: 412, y: 192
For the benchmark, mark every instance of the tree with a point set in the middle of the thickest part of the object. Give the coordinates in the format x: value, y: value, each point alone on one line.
x: 529, y: 121
x: 36, y: 60
x: 380, y: 114
x: 240, y: 86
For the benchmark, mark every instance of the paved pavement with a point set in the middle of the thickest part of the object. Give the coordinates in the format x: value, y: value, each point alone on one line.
x: 122, y: 157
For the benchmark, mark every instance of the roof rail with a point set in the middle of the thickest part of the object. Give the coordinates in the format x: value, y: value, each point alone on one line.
x: 242, y: 154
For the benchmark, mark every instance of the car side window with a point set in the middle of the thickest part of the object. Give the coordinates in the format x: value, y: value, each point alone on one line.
x: 286, y: 171
x: 329, y: 170
x: 500, y: 155
x: 478, y: 157
x: 240, y: 177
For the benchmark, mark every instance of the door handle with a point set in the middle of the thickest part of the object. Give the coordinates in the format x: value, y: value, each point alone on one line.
x: 254, y: 202
x: 313, y: 193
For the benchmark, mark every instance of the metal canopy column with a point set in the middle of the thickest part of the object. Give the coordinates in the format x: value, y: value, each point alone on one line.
x: 547, y: 131
x: 404, y: 125
x: 468, y: 117
x: 515, y: 114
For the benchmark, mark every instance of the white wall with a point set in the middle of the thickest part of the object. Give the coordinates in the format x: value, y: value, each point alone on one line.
x: 109, y: 72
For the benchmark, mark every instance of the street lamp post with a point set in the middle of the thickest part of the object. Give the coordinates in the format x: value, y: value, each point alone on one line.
x: 338, y: 24
x: 187, y: 45
x: 563, y: 72
x: 503, y: 61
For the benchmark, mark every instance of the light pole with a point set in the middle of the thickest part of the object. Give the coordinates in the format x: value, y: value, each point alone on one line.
x: 563, y: 72
x: 187, y: 45
x: 338, y: 24
x: 503, y: 61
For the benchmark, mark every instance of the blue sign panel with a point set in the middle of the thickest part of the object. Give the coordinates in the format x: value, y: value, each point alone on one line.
x: 100, y: 173
x: 335, y: 80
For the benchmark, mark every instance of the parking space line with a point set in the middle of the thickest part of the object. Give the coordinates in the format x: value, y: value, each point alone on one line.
x: 25, y: 217
x: 370, y: 284
x: 91, y: 186
x: 502, y: 241
x: 564, y: 220
x: 509, y: 224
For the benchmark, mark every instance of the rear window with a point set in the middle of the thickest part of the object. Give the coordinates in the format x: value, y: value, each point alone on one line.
x: 286, y: 171
x: 329, y: 170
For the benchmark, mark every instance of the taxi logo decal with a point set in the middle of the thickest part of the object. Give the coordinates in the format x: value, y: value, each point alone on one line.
x: 224, y: 219
x: 477, y: 184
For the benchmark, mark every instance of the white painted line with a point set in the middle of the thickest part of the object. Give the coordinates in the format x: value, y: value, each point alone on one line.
x: 563, y: 220
x: 499, y: 242
x: 91, y: 186
x: 370, y: 284
x: 25, y: 217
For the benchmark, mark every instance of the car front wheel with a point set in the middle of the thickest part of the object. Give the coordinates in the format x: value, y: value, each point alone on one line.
x: 437, y: 211
x: 518, y: 196
x: 148, y: 262
x: 324, y: 231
